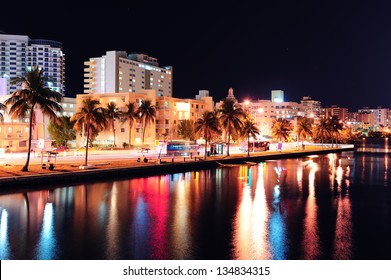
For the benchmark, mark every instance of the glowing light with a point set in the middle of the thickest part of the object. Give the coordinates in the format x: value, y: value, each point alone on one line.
x: 46, y: 249
x: 4, y: 247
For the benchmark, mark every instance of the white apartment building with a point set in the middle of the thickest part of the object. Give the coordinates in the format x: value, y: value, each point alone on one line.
x: 119, y: 72
x: 19, y: 52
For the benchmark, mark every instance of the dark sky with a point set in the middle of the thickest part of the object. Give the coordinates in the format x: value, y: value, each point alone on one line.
x: 337, y: 52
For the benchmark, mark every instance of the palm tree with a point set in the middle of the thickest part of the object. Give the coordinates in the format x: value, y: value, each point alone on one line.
x: 131, y: 116
x: 335, y: 128
x: 89, y: 118
x: 62, y: 131
x: 249, y: 129
x: 206, y: 125
x: 4, y: 109
x: 146, y: 113
x: 186, y: 129
x: 303, y: 128
x: 112, y: 113
x: 281, y: 129
x: 230, y: 116
x: 33, y: 95
x: 322, y: 130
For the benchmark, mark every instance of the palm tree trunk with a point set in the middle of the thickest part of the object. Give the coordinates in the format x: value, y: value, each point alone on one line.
x: 130, y: 134
x: 206, y: 144
x: 88, y: 136
x: 228, y: 138
x: 144, y: 127
x: 248, y: 145
x: 113, y: 127
x: 26, y: 165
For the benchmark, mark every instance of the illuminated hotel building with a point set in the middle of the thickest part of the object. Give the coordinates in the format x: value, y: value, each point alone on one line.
x: 169, y: 112
x: 19, y: 52
x: 311, y: 108
x: 265, y: 111
x: 117, y: 71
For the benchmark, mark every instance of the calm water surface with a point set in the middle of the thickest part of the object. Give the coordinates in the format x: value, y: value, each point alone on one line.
x: 335, y: 206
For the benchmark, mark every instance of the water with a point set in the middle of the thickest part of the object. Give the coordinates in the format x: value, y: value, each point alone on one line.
x: 373, y: 145
x: 334, y: 206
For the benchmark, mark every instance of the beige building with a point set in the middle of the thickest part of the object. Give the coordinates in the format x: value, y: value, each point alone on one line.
x: 14, y: 133
x: 123, y: 133
x: 169, y: 112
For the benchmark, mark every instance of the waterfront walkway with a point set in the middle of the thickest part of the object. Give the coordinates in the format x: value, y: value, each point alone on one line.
x: 121, y: 164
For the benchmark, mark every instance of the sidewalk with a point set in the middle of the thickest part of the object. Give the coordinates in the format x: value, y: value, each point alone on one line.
x: 11, y: 174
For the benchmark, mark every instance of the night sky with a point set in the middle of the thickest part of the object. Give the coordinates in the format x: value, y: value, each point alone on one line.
x: 337, y: 52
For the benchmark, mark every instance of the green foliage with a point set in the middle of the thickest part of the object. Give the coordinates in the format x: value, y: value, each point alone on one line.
x: 62, y: 131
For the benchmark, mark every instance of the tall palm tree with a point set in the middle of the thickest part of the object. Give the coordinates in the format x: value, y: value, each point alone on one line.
x: 146, y: 113
x: 230, y: 116
x: 335, y: 128
x: 281, y: 129
x: 131, y: 116
x: 4, y: 109
x: 322, y: 130
x: 249, y: 130
x: 303, y: 128
x: 206, y: 126
x: 89, y: 118
x: 112, y: 113
x: 33, y: 95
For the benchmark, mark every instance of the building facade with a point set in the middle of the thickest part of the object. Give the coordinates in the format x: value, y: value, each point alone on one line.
x: 14, y: 133
x: 264, y: 112
x: 169, y: 112
x: 117, y: 72
x: 19, y: 52
x: 380, y: 116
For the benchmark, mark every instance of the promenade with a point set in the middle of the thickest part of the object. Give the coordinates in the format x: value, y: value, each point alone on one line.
x: 122, y: 164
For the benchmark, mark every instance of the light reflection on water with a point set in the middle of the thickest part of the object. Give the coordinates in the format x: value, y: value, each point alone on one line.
x: 323, y: 207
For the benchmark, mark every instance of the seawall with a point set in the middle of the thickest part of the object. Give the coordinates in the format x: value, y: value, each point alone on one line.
x: 10, y: 184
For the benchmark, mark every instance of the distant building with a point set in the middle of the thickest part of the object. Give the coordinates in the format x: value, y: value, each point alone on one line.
x: 334, y: 110
x: 311, y: 108
x: 265, y: 111
x: 19, y: 52
x: 171, y: 111
x: 380, y: 115
x: 277, y: 96
x: 119, y: 72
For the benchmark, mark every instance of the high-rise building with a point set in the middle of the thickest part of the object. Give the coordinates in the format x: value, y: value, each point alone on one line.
x: 312, y: 108
x: 19, y: 52
x: 117, y: 72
